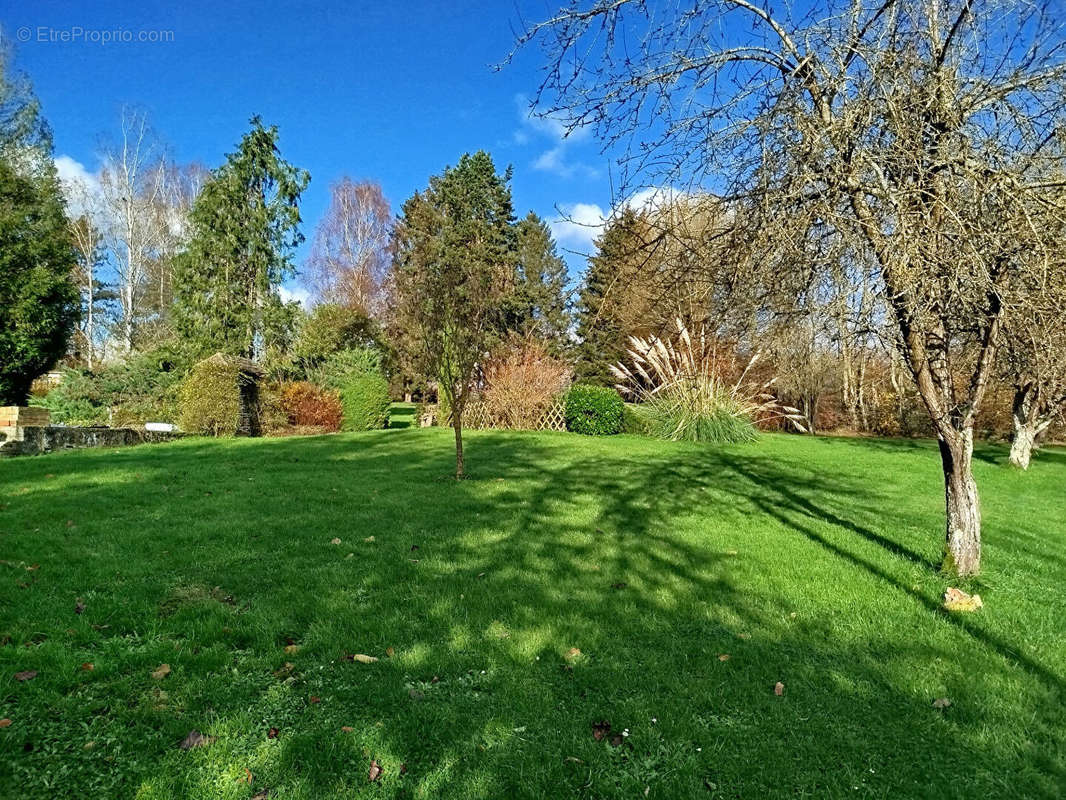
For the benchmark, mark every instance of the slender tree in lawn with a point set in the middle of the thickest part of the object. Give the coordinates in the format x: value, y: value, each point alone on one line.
x: 245, y: 225
x: 455, y: 276
x: 38, y: 298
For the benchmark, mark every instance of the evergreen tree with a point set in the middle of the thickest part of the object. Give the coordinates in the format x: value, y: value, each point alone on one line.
x: 543, y: 279
x: 245, y: 226
x: 456, y: 277
x: 38, y: 299
x: 601, y: 332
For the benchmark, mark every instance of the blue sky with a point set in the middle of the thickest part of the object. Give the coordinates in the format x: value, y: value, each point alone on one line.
x: 389, y: 91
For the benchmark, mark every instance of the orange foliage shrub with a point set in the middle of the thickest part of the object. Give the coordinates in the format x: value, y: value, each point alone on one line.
x: 522, y: 383
x: 305, y: 404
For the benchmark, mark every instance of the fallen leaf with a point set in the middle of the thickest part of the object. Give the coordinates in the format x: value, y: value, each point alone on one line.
x: 33, y: 568
x: 247, y: 776
x: 941, y: 702
x: 88, y: 666
x: 375, y: 772
x: 285, y: 670
x: 28, y: 675
x: 263, y: 795
x: 363, y: 659
x: 616, y: 740
x: 743, y: 635
x: 195, y: 739
x: 574, y: 759
x: 347, y: 728
x: 272, y: 733
x: 723, y: 657
x: 79, y: 606
x: 414, y: 694
x: 779, y: 688
x: 292, y: 649
x: 481, y: 574
x: 619, y: 585
x: 70, y: 523
x: 335, y: 540
x: 5, y: 723
x: 573, y: 653
x: 316, y: 699
x: 162, y: 672
x: 414, y: 547
x: 368, y: 539
x: 600, y: 729
x: 958, y: 600
x: 390, y: 651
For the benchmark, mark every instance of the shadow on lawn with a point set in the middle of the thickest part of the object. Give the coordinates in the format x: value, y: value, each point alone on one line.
x: 556, y: 549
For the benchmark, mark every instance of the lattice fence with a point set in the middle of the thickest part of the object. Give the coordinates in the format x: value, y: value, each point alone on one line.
x: 479, y: 417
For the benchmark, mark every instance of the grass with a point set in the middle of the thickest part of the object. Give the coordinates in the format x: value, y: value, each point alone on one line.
x: 807, y: 561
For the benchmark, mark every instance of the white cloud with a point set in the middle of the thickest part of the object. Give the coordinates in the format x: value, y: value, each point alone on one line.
x: 578, y: 226
x: 297, y: 293
x: 80, y: 186
x: 554, y: 129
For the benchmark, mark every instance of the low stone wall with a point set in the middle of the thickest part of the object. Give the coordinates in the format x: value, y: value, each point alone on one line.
x: 34, y: 440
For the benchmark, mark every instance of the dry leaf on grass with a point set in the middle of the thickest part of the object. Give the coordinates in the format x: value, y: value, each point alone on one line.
x: 361, y: 658
x: 958, y: 600
x: 272, y: 733
x: 87, y: 666
x: 941, y: 702
x: 5, y: 723
x: 79, y: 606
x: 161, y: 672
x: 779, y: 688
x: 27, y: 675
x: 723, y: 657
x: 600, y: 730
x: 335, y: 540
x: 292, y: 649
x: 375, y: 772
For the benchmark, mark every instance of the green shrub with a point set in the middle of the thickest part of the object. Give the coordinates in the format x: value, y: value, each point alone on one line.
x: 329, y: 329
x: 635, y: 420
x: 594, y: 410
x: 339, y: 369
x: 141, y: 389
x: 365, y: 400
x: 209, y: 399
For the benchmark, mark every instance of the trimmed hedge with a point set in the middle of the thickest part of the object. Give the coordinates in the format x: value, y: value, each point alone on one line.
x: 209, y: 399
x: 635, y: 420
x: 365, y: 400
x: 594, y: 410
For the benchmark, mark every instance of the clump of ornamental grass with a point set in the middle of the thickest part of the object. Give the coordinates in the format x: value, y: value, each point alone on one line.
x: 686, y: 391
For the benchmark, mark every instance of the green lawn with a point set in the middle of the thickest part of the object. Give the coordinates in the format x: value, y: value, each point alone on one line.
x: 806, y: 561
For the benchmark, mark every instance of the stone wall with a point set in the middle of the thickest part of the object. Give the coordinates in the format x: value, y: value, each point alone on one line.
x: 34, y: 440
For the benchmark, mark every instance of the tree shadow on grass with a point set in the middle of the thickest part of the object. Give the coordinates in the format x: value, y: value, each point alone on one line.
x: 623, y: 550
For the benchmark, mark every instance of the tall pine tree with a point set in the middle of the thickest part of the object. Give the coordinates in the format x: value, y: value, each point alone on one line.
x: 602, y: 328
x: 245, y: 226
x: 543, y: 280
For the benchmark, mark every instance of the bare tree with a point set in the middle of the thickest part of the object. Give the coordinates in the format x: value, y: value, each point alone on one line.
x: 914, y: 131
x: 350, y: 259
x: 133, y: 183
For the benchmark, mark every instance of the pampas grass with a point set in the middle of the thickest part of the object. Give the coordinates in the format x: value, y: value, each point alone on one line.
x: 685, y: 393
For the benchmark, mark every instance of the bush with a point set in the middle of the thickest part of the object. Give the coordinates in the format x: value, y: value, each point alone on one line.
x: 329, y: 329
x: 365, y: 402
x: 689, y: 390
x: 141, y: 389
x: 340, y: 368
x: 522, y: 384
x: 210, y: 399
x: 305, y: 404
x: 635, y: 420
x: 594, y: 410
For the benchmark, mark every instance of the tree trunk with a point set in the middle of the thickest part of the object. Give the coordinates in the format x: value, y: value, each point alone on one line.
x: 1021, y: 446
x: 457, y: 425
x: 962, y: 552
